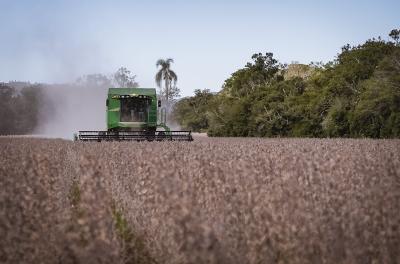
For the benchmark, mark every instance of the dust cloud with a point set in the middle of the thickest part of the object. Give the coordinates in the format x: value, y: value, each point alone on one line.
x: 68, y: 108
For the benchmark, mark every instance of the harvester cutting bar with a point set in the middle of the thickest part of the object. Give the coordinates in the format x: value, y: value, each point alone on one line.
x: 135, y: 136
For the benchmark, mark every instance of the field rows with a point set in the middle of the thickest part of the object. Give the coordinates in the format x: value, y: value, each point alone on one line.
x: 215, y: 200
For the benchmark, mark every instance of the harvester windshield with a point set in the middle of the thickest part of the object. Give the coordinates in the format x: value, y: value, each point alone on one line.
x: 135, y: 109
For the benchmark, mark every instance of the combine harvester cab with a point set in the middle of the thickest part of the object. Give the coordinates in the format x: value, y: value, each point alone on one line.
x: 134, y: 114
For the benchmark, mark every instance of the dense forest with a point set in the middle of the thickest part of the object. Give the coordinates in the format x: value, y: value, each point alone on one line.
x: 356, y: 95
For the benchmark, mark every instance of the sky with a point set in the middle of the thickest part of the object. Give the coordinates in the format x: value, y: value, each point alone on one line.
x: 57, y: 41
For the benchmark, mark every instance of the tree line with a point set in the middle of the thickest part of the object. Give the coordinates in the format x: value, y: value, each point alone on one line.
x: 19, y: 108
x: 356, y: 95
x: 24, y: 105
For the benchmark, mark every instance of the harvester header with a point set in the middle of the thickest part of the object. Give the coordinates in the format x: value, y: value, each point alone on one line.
x: 134, y: 114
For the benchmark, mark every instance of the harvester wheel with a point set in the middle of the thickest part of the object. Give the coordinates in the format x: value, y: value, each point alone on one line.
x: 150, y: 135
x: 161, y: 136
x: 101, y: 136
x: 112, y: 135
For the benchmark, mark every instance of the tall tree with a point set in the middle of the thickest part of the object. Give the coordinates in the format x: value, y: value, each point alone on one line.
x: 169, y: 77
x: 395, y: 35
x: 95, y: 80
x: 124, y: 78
x: 191, y: 112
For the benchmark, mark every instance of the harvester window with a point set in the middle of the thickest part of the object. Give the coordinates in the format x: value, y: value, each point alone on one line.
x: 134, y: 109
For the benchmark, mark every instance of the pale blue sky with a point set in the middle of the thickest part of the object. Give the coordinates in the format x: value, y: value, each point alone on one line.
x: 57, y: 41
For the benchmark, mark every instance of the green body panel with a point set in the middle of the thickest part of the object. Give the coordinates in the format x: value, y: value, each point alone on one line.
x: 115, y: 100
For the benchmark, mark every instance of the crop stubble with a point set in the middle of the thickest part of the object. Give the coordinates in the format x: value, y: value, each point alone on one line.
x: 215, y: 200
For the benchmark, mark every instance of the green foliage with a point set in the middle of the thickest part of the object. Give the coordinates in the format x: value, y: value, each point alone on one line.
x: 123, y: 78
x: 192, y: 111
x: 357, y: 95
x: 395, y: 35
x: 229, y: 117
x: 259, y: 72
x: 7, y: 112
x: 378, y: 112
x: 166, y: 74
x: 336, y: 123
x: 19, y: 108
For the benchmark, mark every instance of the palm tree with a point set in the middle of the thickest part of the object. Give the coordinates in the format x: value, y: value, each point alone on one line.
x: 168, y: 75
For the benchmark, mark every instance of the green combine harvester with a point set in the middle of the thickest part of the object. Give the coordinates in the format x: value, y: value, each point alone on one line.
x: 134, y: 114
